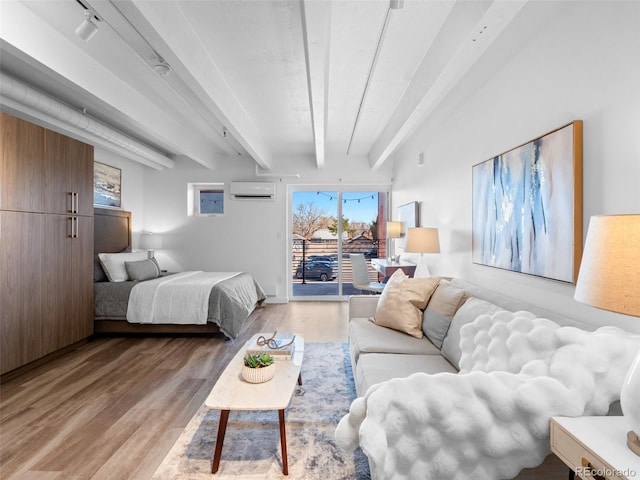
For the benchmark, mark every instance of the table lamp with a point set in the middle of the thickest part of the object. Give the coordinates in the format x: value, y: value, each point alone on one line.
x: 151, y: 242
x: 609, y: 279
x: 422, y: 240
x: 394, y: 230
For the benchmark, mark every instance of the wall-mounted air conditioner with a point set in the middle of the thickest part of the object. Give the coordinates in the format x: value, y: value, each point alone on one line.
x: 253, y: 190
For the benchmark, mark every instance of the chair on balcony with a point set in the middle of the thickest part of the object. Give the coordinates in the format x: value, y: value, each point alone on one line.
x: 361, y: 274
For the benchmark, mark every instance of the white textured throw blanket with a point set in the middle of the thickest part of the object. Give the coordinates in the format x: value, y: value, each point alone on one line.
x: 492, y: 419
x: 182, y: 298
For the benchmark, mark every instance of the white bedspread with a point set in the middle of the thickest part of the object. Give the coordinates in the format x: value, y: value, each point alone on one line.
x: 182, y: 298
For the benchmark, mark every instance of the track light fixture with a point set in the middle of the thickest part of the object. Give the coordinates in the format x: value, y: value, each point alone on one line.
x: 87, y: 28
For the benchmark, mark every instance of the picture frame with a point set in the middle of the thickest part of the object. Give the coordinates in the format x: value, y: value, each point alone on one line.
x: 408, y: 214
x: 527, y: 207
x: 107, y: 186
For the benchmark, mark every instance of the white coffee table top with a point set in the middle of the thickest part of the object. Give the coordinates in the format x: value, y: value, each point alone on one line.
x: 231, y: 392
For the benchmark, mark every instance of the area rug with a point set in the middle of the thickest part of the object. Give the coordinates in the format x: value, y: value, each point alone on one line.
x: 252, y: 443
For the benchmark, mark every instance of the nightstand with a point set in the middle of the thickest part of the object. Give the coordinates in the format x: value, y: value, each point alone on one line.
x: 595, y: 447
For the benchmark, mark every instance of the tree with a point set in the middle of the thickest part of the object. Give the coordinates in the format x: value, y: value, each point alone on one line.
x: 346, y: 226
x: 373, y: 228
x: 308, y: 219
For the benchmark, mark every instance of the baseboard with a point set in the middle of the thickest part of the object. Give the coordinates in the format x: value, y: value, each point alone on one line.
x: 277, y: 300
x: 40, y: 361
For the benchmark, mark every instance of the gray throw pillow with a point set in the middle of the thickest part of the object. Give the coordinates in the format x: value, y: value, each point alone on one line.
x: 143, y: 269
x: 441, y: 308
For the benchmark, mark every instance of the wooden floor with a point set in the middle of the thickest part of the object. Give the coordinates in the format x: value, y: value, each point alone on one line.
x: 114, y: 407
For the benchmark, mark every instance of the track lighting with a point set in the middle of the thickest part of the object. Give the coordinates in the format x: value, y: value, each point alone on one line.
x: 87, y: 28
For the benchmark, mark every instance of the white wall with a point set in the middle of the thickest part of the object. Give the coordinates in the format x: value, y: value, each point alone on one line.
x: 252, y: 234
x: 558, y: 62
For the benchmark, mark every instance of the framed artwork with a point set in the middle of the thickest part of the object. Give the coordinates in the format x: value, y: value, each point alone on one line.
x: 408, y: 214
x: 527, y: 207
x: 107, y: 185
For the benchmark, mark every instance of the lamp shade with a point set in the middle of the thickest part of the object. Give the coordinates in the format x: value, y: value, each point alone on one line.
x: 422, y: 240
x: 151, y: 241
x: 394, y: 229
x: 609, y: 275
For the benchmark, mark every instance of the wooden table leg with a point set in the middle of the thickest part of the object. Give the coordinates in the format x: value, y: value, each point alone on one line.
x: 222, y: 428
x: 283, y: 443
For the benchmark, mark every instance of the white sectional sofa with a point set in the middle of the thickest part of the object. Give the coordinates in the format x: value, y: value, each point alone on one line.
x: 380, y: 354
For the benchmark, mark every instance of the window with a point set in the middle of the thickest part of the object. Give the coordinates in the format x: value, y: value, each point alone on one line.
x: 205, y: 199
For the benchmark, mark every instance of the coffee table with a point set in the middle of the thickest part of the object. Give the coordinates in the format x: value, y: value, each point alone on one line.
x: 231, y: 392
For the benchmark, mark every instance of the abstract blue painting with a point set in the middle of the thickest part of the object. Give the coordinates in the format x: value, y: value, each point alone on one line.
x: 527, y: 207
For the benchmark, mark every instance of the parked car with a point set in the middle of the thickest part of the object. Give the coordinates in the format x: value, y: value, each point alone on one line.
x: 316, y: 270
x: 371, y: 253
x: 332, y: 259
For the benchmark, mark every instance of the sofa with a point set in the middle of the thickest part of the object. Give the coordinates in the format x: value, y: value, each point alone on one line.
x: 465, y: 328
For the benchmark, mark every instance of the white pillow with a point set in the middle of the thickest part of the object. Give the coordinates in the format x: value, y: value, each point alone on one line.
x: 113, y: 264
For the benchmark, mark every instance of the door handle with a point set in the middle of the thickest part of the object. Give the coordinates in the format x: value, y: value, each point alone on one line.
x: 74, y: 202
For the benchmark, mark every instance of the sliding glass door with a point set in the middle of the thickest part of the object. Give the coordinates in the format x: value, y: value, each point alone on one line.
x: 328, y: 226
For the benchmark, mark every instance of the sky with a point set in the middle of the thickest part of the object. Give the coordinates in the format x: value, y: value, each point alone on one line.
x: 358, y: 207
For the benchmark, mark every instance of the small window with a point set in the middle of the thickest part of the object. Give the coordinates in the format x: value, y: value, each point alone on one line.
x: 205, y: 199
x: 211, y: 202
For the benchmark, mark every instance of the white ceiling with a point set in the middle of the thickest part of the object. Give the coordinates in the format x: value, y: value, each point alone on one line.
x: 258, y: 78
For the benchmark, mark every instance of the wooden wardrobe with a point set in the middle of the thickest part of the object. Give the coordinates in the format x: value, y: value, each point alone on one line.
x: 46, y: 242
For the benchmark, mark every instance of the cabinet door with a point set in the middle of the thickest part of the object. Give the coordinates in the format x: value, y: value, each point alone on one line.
x: 21, y: 244
x: 82, y: 277
x: 57, y: 282
x: 21, y: 161
x: 69, y: 175
x: 83, y: 178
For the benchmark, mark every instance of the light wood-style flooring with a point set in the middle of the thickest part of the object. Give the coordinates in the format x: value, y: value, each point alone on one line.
x: 114, y: 407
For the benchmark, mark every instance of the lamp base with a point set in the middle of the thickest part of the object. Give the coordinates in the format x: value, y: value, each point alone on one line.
x: 633, y: 443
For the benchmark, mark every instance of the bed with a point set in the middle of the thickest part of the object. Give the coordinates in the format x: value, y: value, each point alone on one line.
x: 231, y: 299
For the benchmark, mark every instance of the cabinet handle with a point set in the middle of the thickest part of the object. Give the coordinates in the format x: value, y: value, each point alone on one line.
x: 75, y: 222
x: 74, y: 202
x: 591, y: 470
x: 71, y: 223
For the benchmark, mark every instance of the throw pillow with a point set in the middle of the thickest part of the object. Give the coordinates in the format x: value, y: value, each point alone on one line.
x: 113, y: 264
x: 443, y: 305
x: 467, y: 313
x: 142, y: 269
x: 99, y: 274
x: 401, y: 303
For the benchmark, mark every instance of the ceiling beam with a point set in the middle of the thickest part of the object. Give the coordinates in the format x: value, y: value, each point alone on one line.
x: 167, y: 30
x: 478, y: 24
x: 316, y: 31
x: 41, y: 48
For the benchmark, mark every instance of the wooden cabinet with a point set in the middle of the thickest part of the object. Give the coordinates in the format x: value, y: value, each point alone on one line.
x: 46, y: 247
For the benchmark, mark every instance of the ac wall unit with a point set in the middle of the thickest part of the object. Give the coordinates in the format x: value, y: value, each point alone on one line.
x: 253, y: 190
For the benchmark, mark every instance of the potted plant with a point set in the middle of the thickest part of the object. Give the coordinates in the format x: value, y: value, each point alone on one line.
x: 258, y: 367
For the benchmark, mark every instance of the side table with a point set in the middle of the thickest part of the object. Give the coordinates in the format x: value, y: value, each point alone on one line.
x: 594, y: 448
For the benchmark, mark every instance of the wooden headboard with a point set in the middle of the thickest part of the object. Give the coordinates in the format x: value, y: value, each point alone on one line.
x: 112, y: 230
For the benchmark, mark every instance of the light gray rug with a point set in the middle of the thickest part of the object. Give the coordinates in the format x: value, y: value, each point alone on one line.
x: 252, y: 443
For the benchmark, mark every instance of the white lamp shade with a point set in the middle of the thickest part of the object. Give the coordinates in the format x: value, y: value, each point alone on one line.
x: 609, y: 275
x: 609, y: 279
x: 422, y: 240
x: 394, y: 229
x: 151, y: 241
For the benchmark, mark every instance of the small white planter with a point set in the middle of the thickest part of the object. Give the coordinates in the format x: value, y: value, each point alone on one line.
x: 258, y: 375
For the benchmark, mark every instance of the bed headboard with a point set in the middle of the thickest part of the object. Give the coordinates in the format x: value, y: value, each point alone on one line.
x: 112, y: 230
